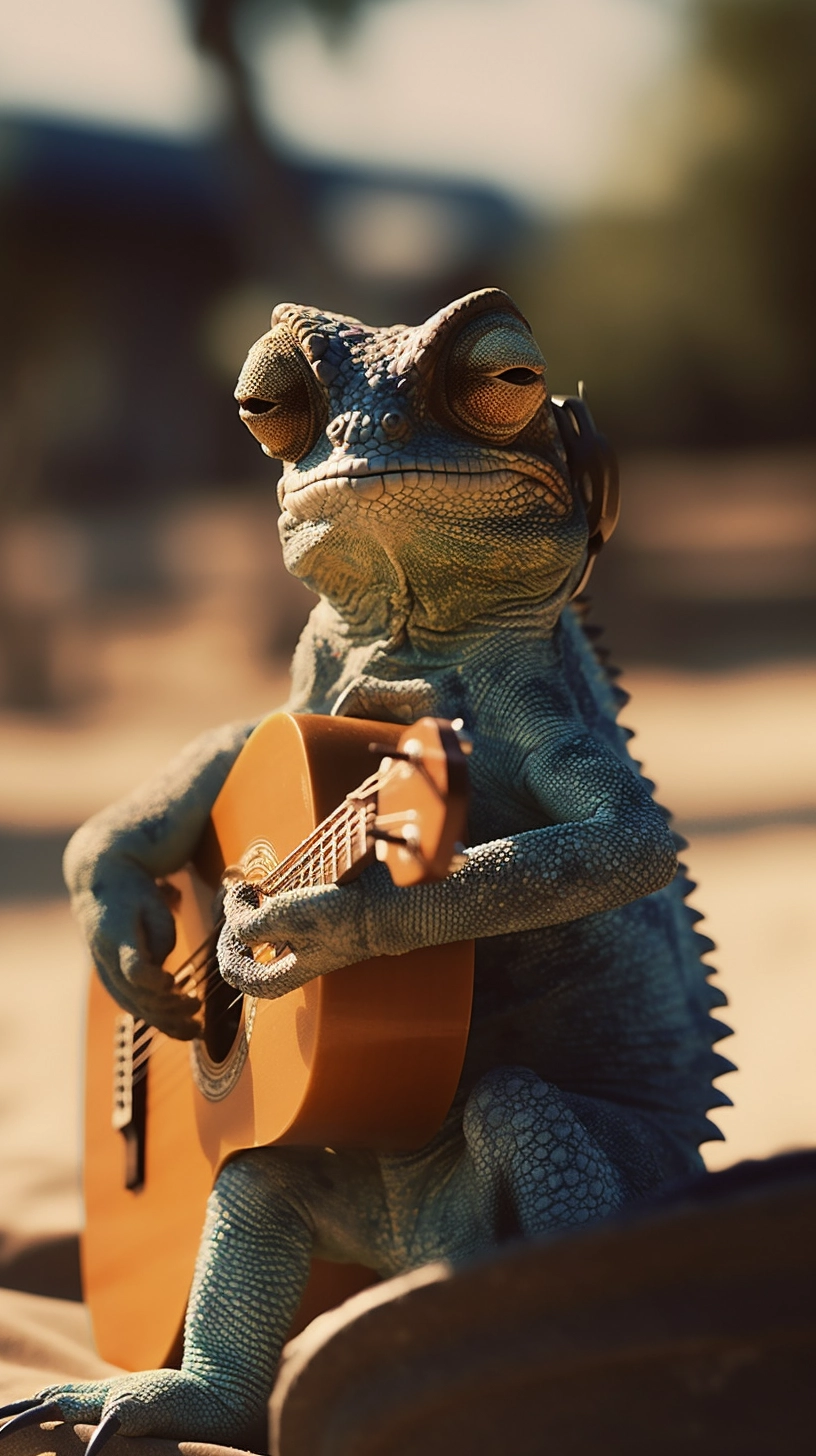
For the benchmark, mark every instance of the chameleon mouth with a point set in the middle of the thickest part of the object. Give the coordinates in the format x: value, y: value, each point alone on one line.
x: 370, y: 478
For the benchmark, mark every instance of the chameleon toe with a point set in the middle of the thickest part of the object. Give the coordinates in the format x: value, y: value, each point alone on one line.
x: 29, y: 1413
x: 107, y: 1427
x: 16, y: 1407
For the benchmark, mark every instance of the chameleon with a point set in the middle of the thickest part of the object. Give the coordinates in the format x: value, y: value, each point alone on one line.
x: 427, y: 498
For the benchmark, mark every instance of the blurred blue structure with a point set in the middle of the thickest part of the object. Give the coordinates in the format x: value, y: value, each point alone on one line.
x: 122, y: 258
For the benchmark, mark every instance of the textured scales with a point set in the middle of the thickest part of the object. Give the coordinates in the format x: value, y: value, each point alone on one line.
x: 445, y: 539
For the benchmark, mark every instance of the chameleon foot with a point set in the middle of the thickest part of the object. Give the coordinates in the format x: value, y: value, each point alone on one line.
x: 167, y: 1403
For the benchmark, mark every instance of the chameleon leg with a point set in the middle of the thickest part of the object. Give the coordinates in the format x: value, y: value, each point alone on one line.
x: 516, y: 1160
x: 252, y: 1266
x: 535, y: 1165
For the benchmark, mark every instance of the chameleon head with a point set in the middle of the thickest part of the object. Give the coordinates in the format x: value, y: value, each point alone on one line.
x: 424, y: 481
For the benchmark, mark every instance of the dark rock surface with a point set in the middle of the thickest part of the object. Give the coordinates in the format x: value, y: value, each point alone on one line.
x: 687, y: 1327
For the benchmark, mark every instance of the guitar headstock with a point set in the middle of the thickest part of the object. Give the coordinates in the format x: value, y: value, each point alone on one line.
x: 422, y: 801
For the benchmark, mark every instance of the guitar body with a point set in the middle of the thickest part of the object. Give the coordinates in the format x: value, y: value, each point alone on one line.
x: 367, y: 1056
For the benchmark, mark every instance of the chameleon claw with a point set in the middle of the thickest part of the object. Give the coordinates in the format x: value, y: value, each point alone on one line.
x: 16, y: 1407
x: 107, y: 1427
x: 28, y: 1413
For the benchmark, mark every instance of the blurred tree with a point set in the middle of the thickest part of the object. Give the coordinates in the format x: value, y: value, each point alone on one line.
x: 694, y: 322
x: 272, y: 220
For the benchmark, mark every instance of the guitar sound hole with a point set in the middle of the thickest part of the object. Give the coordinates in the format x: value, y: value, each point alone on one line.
x: 222, y: 1017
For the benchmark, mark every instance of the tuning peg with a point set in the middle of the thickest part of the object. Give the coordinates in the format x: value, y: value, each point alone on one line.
x: 408, y: 840
x: 465, y: 740
x: 411, y: 753
x: 381, y: 750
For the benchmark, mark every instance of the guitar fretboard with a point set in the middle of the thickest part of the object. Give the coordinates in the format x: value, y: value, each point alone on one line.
x: 337, y: 846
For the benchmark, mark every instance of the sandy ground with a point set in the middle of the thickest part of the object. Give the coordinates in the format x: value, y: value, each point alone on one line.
x: 732, y: 755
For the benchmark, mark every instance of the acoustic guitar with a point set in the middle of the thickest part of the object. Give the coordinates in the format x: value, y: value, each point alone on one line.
x: 367, y: 1056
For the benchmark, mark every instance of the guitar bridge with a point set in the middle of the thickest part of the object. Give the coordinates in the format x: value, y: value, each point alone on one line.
x: 131, y: 1042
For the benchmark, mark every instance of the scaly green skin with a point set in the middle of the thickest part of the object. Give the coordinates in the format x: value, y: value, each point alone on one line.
x: 444, y: 566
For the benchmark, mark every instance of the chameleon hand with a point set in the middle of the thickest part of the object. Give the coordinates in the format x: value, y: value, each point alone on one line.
x: 130, y: 931
x: 313, y: 930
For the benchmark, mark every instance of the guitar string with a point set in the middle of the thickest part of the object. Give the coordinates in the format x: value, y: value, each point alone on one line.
x: 293, y: 872
x: 204, y: 973
x: 201, y: 969
x: 198, y: 968
x: 174, y: 1075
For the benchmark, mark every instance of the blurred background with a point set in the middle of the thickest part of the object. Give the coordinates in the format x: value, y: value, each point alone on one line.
x: 639, y: 174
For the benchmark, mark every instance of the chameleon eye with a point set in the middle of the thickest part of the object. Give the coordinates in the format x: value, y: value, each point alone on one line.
x: 491, y: 382
x: 280, y: 401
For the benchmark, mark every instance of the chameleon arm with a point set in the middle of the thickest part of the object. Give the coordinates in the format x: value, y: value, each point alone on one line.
x: 611, y: 846
x: 112, y: 862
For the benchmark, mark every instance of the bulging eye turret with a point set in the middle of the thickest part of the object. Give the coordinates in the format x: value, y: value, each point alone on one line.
x: 279, y: 399
x: 490, y: 381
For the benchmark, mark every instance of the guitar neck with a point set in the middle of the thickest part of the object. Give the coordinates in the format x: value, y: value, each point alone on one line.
x: 337, y: 850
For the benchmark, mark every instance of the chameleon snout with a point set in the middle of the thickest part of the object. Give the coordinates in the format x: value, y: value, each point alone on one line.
x: 369, y: 428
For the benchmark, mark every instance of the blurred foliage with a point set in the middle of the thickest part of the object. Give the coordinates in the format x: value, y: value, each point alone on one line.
x: 693, y: 323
